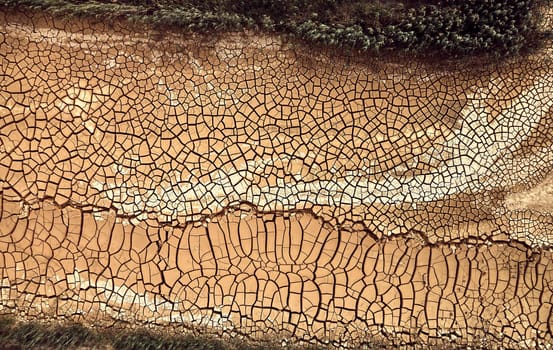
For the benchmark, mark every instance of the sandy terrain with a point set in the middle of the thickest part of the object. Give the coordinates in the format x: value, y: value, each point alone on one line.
x: 244, y: 184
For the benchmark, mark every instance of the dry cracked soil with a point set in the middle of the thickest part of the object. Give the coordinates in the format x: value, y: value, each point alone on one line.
x: 250, y: 186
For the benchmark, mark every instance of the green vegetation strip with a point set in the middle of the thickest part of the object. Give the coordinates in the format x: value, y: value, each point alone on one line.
x: 25, y: 335
x: 443, y: 27
x: 36, y: 335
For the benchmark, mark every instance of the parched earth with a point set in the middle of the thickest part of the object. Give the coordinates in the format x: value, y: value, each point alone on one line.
x: 250, y: 186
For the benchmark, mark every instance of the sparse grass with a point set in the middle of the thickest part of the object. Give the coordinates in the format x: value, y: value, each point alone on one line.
x: 14, y: 335
x: 420, y: 27
x: 50, y: 335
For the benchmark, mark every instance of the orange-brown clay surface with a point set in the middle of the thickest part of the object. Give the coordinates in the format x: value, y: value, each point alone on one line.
x: 253, y: 187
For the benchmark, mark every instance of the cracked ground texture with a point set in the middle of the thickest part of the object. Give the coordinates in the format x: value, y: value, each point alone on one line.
x: 253, y: 187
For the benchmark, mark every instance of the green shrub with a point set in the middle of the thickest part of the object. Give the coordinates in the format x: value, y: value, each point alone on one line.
x: 448, y: 27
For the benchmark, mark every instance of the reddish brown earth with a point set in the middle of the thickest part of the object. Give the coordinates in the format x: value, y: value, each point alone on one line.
x: 253, y: 187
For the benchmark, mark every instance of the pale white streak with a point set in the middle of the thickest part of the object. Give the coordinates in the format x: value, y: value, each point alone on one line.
x: 479, y: 148
x: 115, y: 299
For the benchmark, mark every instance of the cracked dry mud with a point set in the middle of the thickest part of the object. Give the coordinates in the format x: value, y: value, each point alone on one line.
x: 255, y: 187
